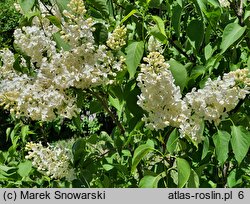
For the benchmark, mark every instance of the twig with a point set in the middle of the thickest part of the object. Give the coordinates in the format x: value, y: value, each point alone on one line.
x: 106, y: 108
x: 191, y: 57
x: 241, y: 8
x: 238, y: 10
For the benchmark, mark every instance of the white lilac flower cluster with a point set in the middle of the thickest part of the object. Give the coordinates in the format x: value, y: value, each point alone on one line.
x: 214, y: 101
x: 81, y: 64
x: 160, y: 97
x: 216, y: 98
x: 224, y: 3
x: 154, y: 45
x: 117, y: 39
x: 163, y: 101
x: 52, y: 161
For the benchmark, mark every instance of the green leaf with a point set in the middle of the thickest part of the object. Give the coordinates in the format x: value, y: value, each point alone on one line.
x: 134, y: 53
x: 26, y: 5
x: 232, y: 179
x: 205, y: 148
x: 158, y: 35
x: 54, y: 20
x: 155, y: 3
x: 131, y: 93
x: 100, y: 5
x: 231, y: 34
x: 248, y: 63
x: 95, y: 107
x: 240, y: 142
x: 180, y: 2
x: 160, y: 24
x: 79, y: 149
x: 172, y: 141
x: 62, y: 4
x: 208, y: 51
x: 60, y: 42
x: 140, y: 152
x: 32, y: 14
x: 150, y: 181
x: 193, y: 181
x: 179, y: 73
x: 184, y: 171
x: 107, y: 167
x: 93, y: 139
x: 197, y: 71
x: 221, y: 141
x: 24, y: 132
x: 196, y: 38
x: 80, y: 95
x: 78, y: 122
x: 117, y: 92
x: 129, y: 15
x: 100, y: 33
x: 214, y: 16
x: 7, y: 168
x: 13, y: 134
x: 24, y: 168
x: 8, y: 132
x: 5, y: 175
x: 201, y: 7
x: 176, y: 18
x: 16, y: 64
x: 118, y: 104
x: 159, y: 30
x: 213, y: 62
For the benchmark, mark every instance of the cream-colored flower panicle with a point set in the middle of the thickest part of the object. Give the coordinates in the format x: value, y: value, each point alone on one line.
x: 154, y: 45
x: 214, y: 101
x: 79, y: 63
x: 224, y: 3
x: 241, y: 77
x: 160, y: 97
x: 117, y: 39
x: 218, y: 97
x: 165, y: 106
x: 35, y: 43
x: 52, y: 161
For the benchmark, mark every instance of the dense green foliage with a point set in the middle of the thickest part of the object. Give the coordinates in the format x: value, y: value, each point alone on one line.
x: 9, y: 18
x: 110, y: 143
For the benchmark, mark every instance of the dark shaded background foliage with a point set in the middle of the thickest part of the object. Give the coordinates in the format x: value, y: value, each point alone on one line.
x: 9, y: 19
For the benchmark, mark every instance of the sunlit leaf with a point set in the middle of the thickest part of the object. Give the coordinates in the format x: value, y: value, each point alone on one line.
x: 172, y: 141
x: 205, y: 149
x: 150, y: 181
x: 184, y: 171
x: 240, y: 142
x: 24, y: 168
x: 221, y: 141
x: 26, y: 5
x: 134, y: 53
x: 193, y: 181
x: 179, y: 73
x: 140, y: 152
x: 231, y: 34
